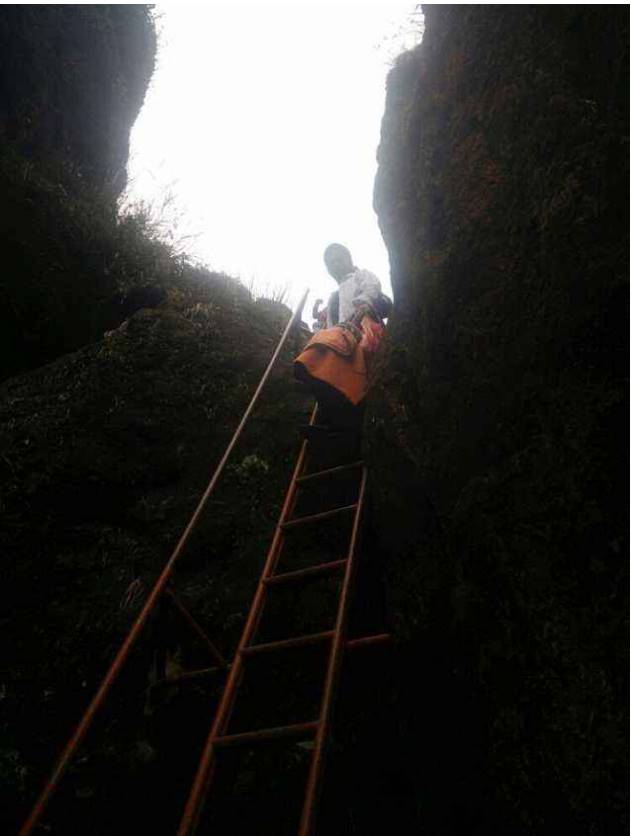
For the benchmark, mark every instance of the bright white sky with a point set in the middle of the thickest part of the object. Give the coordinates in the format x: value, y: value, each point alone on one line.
x: 262, y: 123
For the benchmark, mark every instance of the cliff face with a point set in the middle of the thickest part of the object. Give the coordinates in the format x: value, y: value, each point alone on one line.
x: 72, y: 81
x: 498, y: 428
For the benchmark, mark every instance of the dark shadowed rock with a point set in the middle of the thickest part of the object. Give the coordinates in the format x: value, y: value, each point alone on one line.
x: 72, y: 82
x: 105, y: 454
x: 498, y: 431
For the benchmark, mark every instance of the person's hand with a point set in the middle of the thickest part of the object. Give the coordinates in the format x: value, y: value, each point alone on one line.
x: 360, y: 312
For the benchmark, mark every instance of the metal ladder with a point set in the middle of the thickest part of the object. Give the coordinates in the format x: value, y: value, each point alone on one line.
x: 162, y: 592
x: 318, y: 728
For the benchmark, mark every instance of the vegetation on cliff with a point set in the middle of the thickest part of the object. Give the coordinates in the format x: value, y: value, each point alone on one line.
x: 105, y: 454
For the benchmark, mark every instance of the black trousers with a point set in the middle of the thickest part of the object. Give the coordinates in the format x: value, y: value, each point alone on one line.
x: 334, y: 408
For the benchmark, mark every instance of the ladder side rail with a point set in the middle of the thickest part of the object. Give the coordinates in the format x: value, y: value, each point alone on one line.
x: 269, y: 569
x: 203, y: 776
x: 307, y: 821
x: 152, y: 599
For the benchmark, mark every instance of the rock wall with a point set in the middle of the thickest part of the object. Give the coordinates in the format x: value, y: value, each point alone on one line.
x: 498, y: 428
x: 72, y: 82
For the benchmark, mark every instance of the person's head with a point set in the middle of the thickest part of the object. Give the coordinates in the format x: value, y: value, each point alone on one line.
x: 338, y: 261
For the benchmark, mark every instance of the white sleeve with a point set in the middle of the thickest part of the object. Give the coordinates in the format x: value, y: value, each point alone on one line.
x: 367, y: 288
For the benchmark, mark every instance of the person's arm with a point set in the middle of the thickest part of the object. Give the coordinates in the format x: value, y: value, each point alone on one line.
x: 367, y: 292
x: 367, y: 288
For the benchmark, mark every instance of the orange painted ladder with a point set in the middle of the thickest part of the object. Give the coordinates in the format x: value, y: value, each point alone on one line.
x: 316, y: 728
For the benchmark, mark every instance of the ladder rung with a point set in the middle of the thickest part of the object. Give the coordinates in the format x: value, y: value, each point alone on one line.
x: 322, y: 569
x: 314, y: 517
x: 297, y: 730
x: 323, y: 473
x: 285, y: 644
x: 379, y: 638
x: 353, y: 644
x: 195, y: 674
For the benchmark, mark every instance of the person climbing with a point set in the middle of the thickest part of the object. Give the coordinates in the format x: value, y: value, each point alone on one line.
x: 335, y: 362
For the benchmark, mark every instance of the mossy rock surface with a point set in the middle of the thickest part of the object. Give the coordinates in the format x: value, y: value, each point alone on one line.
x: 105, y: 454
x: 498, y: 430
